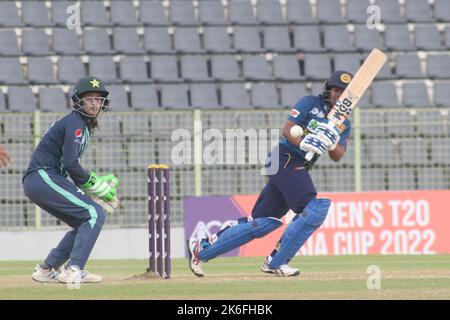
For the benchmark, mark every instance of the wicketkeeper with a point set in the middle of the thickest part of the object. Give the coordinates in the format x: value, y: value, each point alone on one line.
x: 291, y: 188
x: 82, y: 203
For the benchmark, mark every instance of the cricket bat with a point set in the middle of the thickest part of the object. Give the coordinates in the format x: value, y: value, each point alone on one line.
x: 355, y: 90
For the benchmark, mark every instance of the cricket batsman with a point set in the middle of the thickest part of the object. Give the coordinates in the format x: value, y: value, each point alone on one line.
x: 81, y: 204
x: 291, y: 188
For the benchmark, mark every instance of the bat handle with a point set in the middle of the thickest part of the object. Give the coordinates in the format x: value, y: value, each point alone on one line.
x: 309, y: 156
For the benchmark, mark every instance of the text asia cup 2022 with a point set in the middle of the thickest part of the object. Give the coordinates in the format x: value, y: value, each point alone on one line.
x: 403, y: 222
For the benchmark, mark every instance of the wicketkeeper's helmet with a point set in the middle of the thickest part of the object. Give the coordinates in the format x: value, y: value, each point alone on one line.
x: 89, y: 84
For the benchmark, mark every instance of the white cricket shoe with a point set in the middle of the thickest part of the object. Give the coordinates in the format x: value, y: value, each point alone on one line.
x: 194, y: 262
x: 45, y: 275
x: 73, y: 274
x: 282, y: 271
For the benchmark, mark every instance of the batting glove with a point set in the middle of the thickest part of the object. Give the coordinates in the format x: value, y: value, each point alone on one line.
x: 313, y: 143
x: 328, y: 133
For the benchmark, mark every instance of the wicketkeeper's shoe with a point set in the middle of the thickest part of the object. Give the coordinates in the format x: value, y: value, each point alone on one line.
x: 195, y: 264
x: 73, y: 274
x: 282, y: 271
x: 45, y: 275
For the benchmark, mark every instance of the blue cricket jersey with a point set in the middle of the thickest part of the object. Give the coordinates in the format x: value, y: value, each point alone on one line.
x: 62, y: 147
x: 305, y: 110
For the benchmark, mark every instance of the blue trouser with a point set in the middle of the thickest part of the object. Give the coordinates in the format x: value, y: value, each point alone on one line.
x: 65, y: 201
x: 290, y: 188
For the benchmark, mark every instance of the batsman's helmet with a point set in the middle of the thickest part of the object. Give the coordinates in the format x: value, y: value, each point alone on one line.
x: 89, y: 84
x: 339, y: 79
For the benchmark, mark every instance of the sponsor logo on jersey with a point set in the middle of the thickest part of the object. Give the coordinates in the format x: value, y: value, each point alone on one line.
x: 78, y: 133
x: 295, y: 113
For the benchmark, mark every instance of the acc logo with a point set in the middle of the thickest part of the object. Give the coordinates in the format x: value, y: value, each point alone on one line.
x: 295, y: 113
x: 78, y: 133
x: 346, y: 78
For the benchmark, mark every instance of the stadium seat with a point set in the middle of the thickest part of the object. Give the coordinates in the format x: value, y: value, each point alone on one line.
x: 241, y: 12
x: 372, y: 123
x: 151, y: 13
x: 234, y: 96
x: 194, y: 68
x: 438, y: 66
x: 349, y: 62
x: 2, y: 102
x: 299, y: 12
x: 11, y: 71
x: 118, y: 98
x: 174, y: 96
x: 276, y: 39
x: 286, y: 68
x: 367, y: 39
x: 401, y: 179
x: 400, y: 124
x: 157, y: 40
x: 144, y: 97
x: 431, y: 178
x: 96, y: 41
x: 59, y: 12
x: 52, y: 99
x: 307, y: 39
x: 414, y: 151
x: 187, y: 40
x: 40, y: 71
x: 21, y: 99
x: 385, y: 72
x: 264, y: 96
x: 397, y: 37
x: 104, y: 68
x: 357, y: 11
x: 447, y: 37
x: 35, y: 42
x: 224, y: 68
x: 133, y: 69
x: 337, y: 38
x: 70, y: 69
x: 381, y: 152
x: 384, y: 94
x: 316, y: 88
x: 216, y: 40
x: 35, y: 14
x: 373, y: 179
x: 431, y: 123
x: 8, y: 43
x: 182, y: 13
x: 441, y: 10
x: 329, y: 11
x: 164, y: 68
x: 93, y: 13
x: 204, y: 96
x: 9, y: 16
x: 428, y: 38
x: 365, y: 101
x: 269, y: 12
x: 440, y: 151
x: 317, y: 66
x: 211, y: 13
x: 65, y: 42
x: 390, y: 11
x: 291, y: 93
x: 408, y: 66
x: 110, y: 155
x: 246, y: 39
x: 441, y: 93
x: 123, y: 13
x: 255, y: 68
x: 126, y: 41
x: 418, y: 11
x: 415, y: 95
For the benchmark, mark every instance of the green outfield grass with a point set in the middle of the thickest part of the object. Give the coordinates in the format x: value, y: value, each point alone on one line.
x: 341, y: 277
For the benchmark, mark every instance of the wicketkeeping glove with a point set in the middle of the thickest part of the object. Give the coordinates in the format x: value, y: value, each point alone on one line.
x: 98, y: 187
x: 313, y: 143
